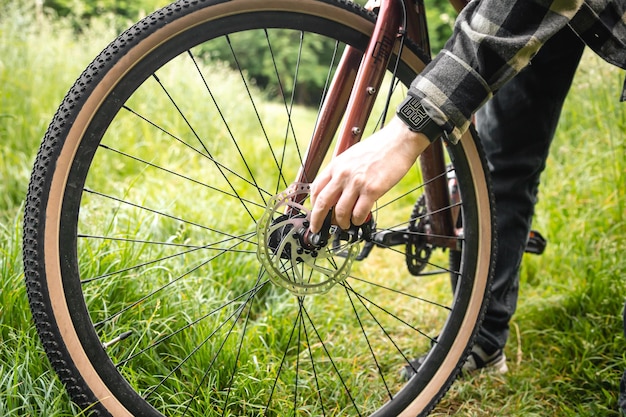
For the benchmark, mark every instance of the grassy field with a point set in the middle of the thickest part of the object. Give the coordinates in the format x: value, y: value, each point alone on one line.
x: 566, y: 352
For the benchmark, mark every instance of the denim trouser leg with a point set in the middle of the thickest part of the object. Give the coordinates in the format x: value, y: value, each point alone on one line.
x: 516, y: 127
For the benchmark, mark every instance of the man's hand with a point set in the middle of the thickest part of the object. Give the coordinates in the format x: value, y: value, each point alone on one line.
x: 355, y: 179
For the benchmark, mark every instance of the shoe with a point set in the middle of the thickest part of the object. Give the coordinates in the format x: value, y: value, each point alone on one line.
x: 478, y: 359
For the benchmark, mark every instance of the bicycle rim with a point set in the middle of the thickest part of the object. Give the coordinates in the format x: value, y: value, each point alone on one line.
x: 141, y: 238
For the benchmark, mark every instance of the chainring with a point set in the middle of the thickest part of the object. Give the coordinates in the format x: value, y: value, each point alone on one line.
x: 418, y: 251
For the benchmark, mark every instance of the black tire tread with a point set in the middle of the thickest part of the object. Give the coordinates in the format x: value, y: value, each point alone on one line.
x: 44, y: 166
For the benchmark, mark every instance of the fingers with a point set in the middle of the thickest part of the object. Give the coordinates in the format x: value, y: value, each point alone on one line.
x: 362, y: 210
x: 318, y: 214
x: 318, y: 185
x: 322, y: 200
x: 351, y: 205
x: 344, y: 207
x: 340, y: 186
x: 333, y: 191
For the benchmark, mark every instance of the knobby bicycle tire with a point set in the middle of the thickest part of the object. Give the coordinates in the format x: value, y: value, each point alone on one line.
x: 140, y: 231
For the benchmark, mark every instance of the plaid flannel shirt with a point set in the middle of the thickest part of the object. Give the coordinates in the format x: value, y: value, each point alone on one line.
x: 495, y: 39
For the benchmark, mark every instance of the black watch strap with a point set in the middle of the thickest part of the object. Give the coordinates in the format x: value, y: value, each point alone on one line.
x: 413, y: 114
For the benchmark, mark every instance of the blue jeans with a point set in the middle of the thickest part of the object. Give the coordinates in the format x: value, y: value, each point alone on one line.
x: 516, y: 127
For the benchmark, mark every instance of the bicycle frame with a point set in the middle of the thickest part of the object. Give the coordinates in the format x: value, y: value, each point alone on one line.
x: 352, y: 93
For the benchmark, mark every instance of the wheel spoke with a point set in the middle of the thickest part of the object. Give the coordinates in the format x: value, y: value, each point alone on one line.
x: 157, y: 290
x: 332, y: 362
x: 160, y: 213
x: 364, y: 299
x: 169, y: 228
x: 284, y: 357
x: 367, y: 340
x: 223, y: 168
x: 184, y: 177
x: 313, y: 367
x: 244, y: 238
x: 226, y: 304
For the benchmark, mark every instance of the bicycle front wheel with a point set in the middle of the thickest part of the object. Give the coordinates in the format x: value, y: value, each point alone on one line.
x: 146, y: 218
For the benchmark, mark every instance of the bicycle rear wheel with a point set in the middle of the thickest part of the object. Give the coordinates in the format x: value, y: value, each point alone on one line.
x: 141, y: 238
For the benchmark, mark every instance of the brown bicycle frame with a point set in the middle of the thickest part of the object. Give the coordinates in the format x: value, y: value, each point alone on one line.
x: 352, y: 93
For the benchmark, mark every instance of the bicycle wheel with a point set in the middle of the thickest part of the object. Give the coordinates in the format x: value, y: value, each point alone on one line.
x: 159, y: 184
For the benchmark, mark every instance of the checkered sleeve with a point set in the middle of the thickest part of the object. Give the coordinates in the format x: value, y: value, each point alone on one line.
x: 492, y: 41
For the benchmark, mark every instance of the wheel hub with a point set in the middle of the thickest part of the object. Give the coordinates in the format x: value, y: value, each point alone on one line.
x: 283, y: 249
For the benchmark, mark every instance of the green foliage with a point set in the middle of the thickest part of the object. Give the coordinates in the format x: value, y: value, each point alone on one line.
x: 263, y: 62
x: 34, y: 79
x: 261, y: 66
x: 82, y: 9
x: 440, y: 15
x: 253, y: 54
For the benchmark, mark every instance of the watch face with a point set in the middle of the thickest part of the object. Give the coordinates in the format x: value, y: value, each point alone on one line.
x: 414, y: 114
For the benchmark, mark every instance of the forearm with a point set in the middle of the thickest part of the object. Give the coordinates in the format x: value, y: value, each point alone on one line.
x: 485, y: 51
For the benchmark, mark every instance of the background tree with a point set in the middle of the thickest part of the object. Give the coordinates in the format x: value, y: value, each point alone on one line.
x: 254, y: 54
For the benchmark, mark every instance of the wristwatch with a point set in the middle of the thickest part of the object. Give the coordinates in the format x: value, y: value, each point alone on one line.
x: 412, y: 113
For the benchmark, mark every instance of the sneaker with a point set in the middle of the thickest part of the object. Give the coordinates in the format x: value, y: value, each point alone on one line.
x: 478, y: 359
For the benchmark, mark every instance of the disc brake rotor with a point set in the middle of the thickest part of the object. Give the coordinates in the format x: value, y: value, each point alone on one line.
x: 289, y: 262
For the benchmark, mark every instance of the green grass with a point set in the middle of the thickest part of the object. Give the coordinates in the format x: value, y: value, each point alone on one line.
x: 566, y: 352
x: 35, y: 73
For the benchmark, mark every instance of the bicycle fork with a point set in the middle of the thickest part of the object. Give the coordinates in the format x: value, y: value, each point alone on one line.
x: 352, y: 93
x: 365, y: 72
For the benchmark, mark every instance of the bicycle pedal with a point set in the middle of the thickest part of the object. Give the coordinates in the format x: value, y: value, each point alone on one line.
x: 536, y: 243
